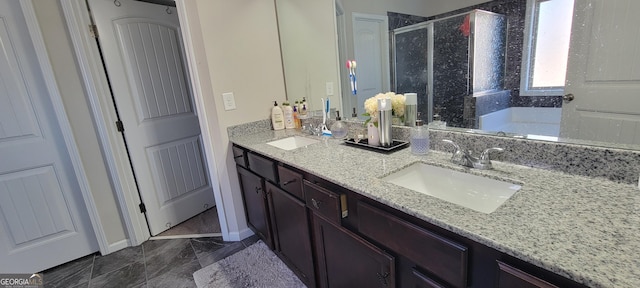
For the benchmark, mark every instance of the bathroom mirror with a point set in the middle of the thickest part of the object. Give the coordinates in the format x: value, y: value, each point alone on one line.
x: 317, y: 39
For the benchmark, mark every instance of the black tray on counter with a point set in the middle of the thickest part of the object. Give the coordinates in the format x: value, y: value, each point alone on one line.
x: 364, y: 143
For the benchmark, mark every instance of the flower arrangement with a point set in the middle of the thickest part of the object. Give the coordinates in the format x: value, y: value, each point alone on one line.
x: 371, y: 106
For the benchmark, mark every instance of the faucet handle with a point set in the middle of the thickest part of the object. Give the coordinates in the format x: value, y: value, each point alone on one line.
x: 485, y: 154
x: 484, y: 162
x: 458, y: 157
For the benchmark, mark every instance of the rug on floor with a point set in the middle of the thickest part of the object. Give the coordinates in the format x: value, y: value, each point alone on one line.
x: 255, y: 266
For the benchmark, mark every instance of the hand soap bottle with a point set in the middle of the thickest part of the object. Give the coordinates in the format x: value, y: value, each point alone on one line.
x: 419, y: 138
x: 277, y: 117
x: 288, y: 116
x: 338, y: 129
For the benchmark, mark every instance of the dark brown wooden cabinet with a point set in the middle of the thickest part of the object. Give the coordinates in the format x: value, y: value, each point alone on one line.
x: 256, y: 204
x: 344, y: 259
x: 442, y: 257
x: 333, y: 237
x: 423, y: 281
x: 292, y: 236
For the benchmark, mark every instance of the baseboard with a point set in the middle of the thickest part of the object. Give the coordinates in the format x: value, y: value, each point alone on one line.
x: 242, y: 234
x: 116, y: 247
x: 186, y: 236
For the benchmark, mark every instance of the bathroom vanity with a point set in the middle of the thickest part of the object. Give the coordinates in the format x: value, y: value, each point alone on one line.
x: 329, y: 215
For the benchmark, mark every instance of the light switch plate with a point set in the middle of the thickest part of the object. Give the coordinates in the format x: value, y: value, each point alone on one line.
x: 329, y: 86
x: 229, y: 101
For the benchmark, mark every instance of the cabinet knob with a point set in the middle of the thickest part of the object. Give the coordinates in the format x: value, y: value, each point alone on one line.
x: 383, y: 277
x: 285, y: 183
x: 568, y: 98
x: 316, y: 203
x: 258, y: 189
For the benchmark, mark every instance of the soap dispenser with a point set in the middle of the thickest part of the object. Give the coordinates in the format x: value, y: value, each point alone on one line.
x: 288, y: 116
x: 277, y: 117
x: 419, y: 138
x: 338, y: 129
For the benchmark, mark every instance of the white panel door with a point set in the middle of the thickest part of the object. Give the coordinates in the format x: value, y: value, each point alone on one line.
x: 43, y: 219
x: 142, y: 50
x: 603, y: 73
x: 371, y: 52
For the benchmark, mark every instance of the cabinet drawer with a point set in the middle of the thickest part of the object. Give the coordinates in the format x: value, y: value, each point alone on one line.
x: 509, y: 276
x: 441, y: 257
x: 423, y: 281
x: 240, y: 156
x: 263, y: 166
x: 290, y: 181
x: 324, y: 202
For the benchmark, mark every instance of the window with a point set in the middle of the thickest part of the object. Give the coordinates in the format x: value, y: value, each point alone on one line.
x: 546, y: 47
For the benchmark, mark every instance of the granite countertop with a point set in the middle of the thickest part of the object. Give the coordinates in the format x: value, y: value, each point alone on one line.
x: 585, y: 229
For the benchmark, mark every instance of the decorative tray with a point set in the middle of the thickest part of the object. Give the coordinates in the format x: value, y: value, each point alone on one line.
x: 364, y: 143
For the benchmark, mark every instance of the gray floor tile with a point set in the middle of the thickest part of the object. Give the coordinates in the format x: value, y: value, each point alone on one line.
x: 81, y: 285
x: 116, y: 260
x: 208, y: 258
x: 178, y: 277
x: 164, y: 255
x: 154, y: 247
x: 207, y: 245
x: 129, y: 276
x: 70, y: 274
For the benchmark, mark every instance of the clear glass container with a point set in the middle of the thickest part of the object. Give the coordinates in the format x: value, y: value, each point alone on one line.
x: 419, y: 139
x: 339, y: 129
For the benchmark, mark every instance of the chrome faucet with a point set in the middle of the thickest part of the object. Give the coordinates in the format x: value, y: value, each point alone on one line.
x: 309, y: 128
x: 464, y: 157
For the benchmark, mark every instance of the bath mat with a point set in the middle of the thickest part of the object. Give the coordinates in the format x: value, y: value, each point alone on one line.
x: 255, y: 266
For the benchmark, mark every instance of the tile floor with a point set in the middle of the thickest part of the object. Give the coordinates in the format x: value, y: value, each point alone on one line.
x: 203, y: 223
x: 155, y: 263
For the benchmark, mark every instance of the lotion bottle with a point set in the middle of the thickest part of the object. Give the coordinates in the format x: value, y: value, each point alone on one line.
x: 288, y: 116
x: 277, y: 117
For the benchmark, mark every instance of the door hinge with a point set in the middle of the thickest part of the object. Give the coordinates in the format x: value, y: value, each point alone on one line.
x: 93, y: 30
x: 143, y: 209
x: 119, y: 126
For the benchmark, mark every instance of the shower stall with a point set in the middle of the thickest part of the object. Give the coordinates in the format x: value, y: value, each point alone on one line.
x: 455, y: 64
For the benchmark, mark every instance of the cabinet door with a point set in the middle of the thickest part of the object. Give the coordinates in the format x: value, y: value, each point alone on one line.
x: 346, y: 260
x: 255, y: 204
x: 291, y: 232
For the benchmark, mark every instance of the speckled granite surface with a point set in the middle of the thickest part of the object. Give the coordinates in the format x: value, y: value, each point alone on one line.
x: 586, y: 229
x: 620, y: 163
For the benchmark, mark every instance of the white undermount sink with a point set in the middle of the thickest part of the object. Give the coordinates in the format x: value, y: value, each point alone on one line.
x: 474, y: 192
x: 292, y: 142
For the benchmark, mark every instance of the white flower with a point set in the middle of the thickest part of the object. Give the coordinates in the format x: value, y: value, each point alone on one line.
x: 397, y: 104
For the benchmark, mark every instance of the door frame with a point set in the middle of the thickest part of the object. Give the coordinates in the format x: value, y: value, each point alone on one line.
x: 44, y: 62
x: 102, y: 107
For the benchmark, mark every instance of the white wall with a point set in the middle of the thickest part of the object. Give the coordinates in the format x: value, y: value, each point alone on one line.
x: 239, y: 51
x: 59, y: 47
x: 309, y: 60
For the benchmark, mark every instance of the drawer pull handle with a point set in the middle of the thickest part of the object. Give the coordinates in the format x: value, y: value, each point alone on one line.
x: 288, y: 182
x: 383, y: 278
x: 258, y: 189
x: 316, y: 203
x: 238, y: 156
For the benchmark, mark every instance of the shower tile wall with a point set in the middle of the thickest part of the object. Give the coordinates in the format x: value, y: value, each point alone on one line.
x: 410, y: 74
x: 515, y: 11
